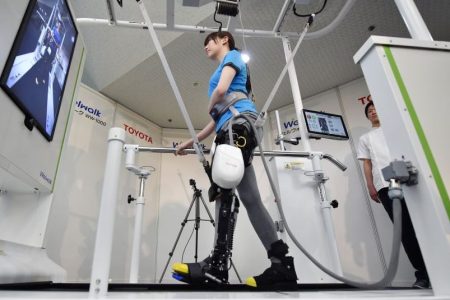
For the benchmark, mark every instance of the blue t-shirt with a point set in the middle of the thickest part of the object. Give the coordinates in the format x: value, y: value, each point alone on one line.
x: 238, y: 84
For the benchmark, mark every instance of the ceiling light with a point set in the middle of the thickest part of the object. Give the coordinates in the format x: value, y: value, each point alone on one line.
x: 245, y: 57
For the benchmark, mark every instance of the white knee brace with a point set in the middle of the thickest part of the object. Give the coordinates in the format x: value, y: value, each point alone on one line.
x: 228, y: 166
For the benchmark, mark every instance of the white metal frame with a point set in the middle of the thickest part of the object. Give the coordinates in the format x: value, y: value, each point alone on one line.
x: 105, y: 226
x: 319, y: 174
x: 103, y: 245
x: 171, y: 26
x: 407, y: 9
x: 142, y: 174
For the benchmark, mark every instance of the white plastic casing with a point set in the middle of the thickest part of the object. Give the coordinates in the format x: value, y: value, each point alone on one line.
x: 228, y: 166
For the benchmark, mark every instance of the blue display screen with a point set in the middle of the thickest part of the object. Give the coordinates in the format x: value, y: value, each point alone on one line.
x: 322, y: 124
x: 35, y: 73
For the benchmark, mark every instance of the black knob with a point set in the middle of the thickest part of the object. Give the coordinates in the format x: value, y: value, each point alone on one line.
x: 130, y: 199
x: 334, y: 204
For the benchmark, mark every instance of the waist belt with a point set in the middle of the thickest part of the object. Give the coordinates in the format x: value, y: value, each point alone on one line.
x: 219, y: 108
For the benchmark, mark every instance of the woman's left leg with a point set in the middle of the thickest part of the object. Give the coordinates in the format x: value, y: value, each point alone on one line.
x: 281, y: 273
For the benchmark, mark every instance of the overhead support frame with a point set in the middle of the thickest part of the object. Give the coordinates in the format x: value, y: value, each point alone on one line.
x: 170, y: 14
x: 111, y: 12
x: 287, y: 4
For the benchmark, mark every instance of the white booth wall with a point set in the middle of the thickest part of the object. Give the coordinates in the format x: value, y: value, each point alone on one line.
x: 72, y: 225
x: 28, y: 168
x: 73, y: 221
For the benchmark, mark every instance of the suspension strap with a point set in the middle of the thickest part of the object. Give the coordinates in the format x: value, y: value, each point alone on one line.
x: 170, y: 77
x: 219, y: 108
x: 262, y: 116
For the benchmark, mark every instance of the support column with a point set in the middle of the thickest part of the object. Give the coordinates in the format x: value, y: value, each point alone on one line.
x: 413, y: 20
x: 104, y: 237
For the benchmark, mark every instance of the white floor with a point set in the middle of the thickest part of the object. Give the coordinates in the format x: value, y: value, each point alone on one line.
x: 385, y: 294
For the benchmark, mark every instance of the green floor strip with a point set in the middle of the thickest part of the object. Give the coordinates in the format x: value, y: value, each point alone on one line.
x: 419, y: 130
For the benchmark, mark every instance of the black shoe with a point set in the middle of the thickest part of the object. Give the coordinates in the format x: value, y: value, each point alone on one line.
x: 278, y: 276
x: 421, y: 284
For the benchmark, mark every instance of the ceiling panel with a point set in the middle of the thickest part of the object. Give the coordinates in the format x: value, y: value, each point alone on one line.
x: 113, y: 51
x: 123, y: 65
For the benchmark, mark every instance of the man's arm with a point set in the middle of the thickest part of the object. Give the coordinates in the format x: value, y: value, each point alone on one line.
x: 367, y: 166
x: 203, y: 134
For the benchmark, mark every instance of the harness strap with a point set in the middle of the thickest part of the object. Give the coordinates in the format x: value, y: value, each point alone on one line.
x: 230, y: 99
x: 235, y: 112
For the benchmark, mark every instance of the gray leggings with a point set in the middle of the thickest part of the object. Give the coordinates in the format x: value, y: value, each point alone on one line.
x: 257, y: 212
x: 249, y: 193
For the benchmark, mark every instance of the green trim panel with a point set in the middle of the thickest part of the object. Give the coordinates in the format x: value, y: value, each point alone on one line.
x: 419, y: 130
x: 68, y: 117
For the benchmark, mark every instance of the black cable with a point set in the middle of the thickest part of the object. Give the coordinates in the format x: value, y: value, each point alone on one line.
x: 187, y: 243
x: 309, y: 15
x: 215, y: 20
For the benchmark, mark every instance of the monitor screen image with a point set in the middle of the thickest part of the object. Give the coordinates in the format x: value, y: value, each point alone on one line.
x: 35, y: 73
x: 325, y: 125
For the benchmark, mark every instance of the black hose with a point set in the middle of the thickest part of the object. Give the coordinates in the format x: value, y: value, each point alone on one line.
x: 309, y: 15
x: 396, y: 239
x: 215, y: 19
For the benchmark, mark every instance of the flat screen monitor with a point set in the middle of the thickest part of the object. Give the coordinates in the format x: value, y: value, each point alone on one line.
x: 325, y: 125
x: 35, y: 73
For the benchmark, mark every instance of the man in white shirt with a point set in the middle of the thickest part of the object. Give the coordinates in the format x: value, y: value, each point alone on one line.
x: 373, y: 152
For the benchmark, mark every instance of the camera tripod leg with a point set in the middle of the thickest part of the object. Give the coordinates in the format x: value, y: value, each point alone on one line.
x: 211, y: 219
x: 185, y: 220
x: 197, y: 197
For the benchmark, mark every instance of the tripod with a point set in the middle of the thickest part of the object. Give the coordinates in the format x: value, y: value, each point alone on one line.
x: 196, y: 198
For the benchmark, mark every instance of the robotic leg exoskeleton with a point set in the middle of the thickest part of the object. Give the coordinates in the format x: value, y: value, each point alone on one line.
x: 214, y: 269
x: 226, y: 172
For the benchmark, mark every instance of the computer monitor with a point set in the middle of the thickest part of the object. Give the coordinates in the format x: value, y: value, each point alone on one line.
x: 35, y: 73
x: 325, y: 125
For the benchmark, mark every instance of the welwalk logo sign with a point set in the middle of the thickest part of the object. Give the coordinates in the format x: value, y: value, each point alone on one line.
x: 91, y: 113
x: 175, y: 144
x: 290, y: 127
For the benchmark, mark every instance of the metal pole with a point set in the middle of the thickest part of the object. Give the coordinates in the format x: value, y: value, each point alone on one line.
x: 262, y: 116
x: 111, y: 12
x: 135, y: 252
x: 315, y: 158
x: 172, y: 82
x: 185, y: 28
x: 104, y: 237
x: 196, y: 223
x: 280, y: 134
x: 329, y: 157
x: 281, y: 16
x: 326, y: 213
x: 170, y: 14
x: 296, y: 94
x: 413, y: 20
